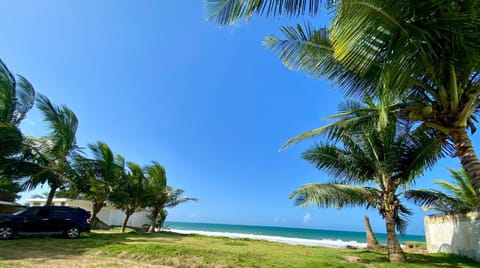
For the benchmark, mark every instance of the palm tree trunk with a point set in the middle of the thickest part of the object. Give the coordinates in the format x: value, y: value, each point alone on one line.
x: 468, y: 158
x: 395, y: 252
x: 128, y: 213
x: 51, y: 194
x: 372, y: 241
x: 153, y: 223
x: 95, y: 210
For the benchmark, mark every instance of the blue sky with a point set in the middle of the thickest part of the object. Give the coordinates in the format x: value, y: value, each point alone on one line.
x: 157, y: 82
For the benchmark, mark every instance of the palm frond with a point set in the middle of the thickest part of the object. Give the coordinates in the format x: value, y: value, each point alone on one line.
x: 353, y: 117
x: 10, y: 140
x: 331, y: 195
x: 309, y: 49
x: 432, y: 199
x: 63, y: 124
x: 342, y: 165
x: 223, y: 12
x: 417, y: 151
x: 25, y: 98
x: 402, y: 219
x: 7, y: 94
x: 156, y: 174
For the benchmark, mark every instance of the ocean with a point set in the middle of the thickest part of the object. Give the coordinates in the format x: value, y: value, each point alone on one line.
x: 295, y: 236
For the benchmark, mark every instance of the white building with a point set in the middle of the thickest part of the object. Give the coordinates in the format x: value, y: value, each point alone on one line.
x: 108, y: 214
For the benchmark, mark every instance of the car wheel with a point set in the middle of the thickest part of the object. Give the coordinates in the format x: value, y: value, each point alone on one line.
x: 72, y: 232
x: 6, y: 232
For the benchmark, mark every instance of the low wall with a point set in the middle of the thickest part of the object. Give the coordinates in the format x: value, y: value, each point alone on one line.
x: 454, y: 233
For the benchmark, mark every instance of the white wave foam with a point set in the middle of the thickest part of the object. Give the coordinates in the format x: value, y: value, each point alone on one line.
x: 279, y: 239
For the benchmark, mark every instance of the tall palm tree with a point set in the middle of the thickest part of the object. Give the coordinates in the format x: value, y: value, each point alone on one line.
x: 456, y: 197
x: 371, y: 167
x: 428, y: 48
x: 54, y: 153
x: 17, y: 97
x: 160, y: 195
x: 157, y: 185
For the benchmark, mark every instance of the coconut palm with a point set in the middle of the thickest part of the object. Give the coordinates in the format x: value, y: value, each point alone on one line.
x: 428, y: 48
x: 371, y: 167
x: 97, y: 178
x: 157, y: 185
x: 456, y: 197
x: 16, y: 99
x: 160, y: 195
x: 131, y: 193
x: 54, y: 153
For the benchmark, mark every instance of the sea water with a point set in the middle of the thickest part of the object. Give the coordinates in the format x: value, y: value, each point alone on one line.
x: 294, y: 236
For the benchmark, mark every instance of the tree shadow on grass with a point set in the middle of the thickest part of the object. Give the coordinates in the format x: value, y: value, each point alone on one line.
x: 34, y: 247
x: 425, y: 260
x: 441, y: 260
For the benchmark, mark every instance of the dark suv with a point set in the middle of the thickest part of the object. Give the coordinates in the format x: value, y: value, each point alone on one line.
x: 49, y: 220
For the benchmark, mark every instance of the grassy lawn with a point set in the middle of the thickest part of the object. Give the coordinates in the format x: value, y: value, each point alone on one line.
x: 174, y: 250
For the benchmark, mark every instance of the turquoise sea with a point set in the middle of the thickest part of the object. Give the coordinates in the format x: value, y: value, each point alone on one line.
x: 298, y: 236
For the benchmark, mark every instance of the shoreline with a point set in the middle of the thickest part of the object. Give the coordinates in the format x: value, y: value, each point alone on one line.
x: 278, y: 239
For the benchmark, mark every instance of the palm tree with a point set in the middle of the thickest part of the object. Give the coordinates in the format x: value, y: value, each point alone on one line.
x: 96, y: 179
x: 131, y: 192
x: 160, y: 195
x: 457, y: 197
x: 173, y: 198
x: 54, y: 153
x: 157, y: 185
x: 371, y: 167
x: 16, y: 99
x: 428, y: 48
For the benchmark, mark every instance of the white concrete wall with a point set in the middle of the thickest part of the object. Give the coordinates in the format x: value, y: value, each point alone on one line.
x: 108, y: 214
x: 113, y: 216
x: 454, y: 233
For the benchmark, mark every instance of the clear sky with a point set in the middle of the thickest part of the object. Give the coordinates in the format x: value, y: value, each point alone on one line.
x: 155, y: 81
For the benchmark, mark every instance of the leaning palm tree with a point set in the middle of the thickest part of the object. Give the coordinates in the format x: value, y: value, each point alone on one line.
x: 371, y: 167
x: 16, y: 99
x: 97, y: 178
x: 54, y: 153
x: 131, y: 193
x: 428, y: 48
x: 456, y: 197
x: 160, y: 195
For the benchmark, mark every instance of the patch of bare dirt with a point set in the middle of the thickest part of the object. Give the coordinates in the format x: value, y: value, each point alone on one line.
x: 414, y: 248
x: 353, y: 259
x: 81, y: 262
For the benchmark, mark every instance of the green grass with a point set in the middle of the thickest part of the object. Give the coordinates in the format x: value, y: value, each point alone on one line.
x: 112, y: 249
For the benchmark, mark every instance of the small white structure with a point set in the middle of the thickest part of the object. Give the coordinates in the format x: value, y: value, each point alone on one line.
x: 454, y: 233
x: 108, y: 214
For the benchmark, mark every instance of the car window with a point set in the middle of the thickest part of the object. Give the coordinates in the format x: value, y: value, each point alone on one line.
x: 43, y: 212
x: 59, y: 214
x: 28, y: 212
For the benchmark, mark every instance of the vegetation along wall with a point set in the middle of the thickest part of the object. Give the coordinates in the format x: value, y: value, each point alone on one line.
x: 454, y: 233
